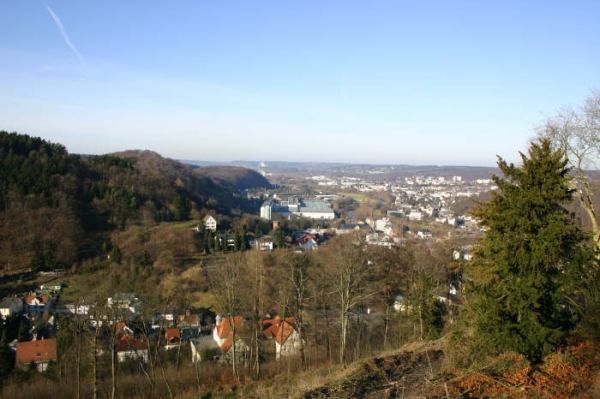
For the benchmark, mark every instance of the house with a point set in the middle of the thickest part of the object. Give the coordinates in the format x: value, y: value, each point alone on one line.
x: 129, y: 348
x: 172, y: 337
x: 415, y: 215
x: 125, y: 304
x: 210, y: 223
x: 362, y: 228
x: 204, y: 348
x: 188, y: 320
x: 37, y: 304
x: 265, y: 244
x: 121, y: 330
x: 284, y: 333
x: 242, y: 353
x: 39, y: 352
x: 423, y: 234
x: 160, y: 319
x: 226, y: 330
x: 400, y: 304
x: 10, y: 306
x: 308, y: 243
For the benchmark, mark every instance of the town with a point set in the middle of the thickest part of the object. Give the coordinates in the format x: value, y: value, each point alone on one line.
x: 412, y: 208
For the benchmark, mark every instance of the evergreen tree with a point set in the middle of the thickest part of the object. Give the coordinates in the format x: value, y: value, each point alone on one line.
x: 279, y: 237
x: 244, y: 239
x: 206, y: 242
x: 527, y: 264
x: 237, y: 240
x: 115, y: 254
x: 6, y: 355
x: 24, y: 327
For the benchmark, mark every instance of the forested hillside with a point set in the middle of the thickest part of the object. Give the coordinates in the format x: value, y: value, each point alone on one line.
x: 57, y: 208
x: 234, y: 176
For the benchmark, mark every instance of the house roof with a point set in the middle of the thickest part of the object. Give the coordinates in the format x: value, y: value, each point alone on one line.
x: 279, y: 329
x: 188, y: 320
x: 224, y: 330
x: 224, y: 327
x: 121, y: 329
x: 173, y: 335
x: 306, y: 238
x: 128, y: 343
x: 8, y: 301
x: 29, y: 299
x: 43, y: 299
x: 40, y: 351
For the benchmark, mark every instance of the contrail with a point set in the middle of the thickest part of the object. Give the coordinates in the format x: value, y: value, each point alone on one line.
x: 63, y: 32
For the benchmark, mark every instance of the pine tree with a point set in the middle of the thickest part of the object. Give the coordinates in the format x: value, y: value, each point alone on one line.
x: 526, y: 266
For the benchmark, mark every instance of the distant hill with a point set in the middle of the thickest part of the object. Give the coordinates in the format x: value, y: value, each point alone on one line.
x: 234, y: 176
x: 333, y: 169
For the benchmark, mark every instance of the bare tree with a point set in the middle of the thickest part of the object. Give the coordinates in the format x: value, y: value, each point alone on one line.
x: 229, y: 286
x: 577, y: 133
x: 347, y: 272
x: 298, y: 265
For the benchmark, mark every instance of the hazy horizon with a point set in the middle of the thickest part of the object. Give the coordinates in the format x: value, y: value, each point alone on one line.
x: 387, y: 83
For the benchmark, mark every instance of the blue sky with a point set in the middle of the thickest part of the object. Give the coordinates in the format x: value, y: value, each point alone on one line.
x: 419, y: 82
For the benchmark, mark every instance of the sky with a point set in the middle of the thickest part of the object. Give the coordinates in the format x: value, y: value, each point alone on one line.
x: 380, y: 82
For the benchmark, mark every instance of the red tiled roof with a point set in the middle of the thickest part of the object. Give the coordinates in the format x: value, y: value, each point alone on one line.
x: 224, y: 330
x: 128, y: 343
x: 224, y: 327
x: 278, y: 329
x: 39, y: 351
x: 173, y: 335
x: 29, y: 299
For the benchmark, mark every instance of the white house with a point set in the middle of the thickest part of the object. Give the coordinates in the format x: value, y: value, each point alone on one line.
x: 415, y: 215
x: 129, y: 348
x: 284, y: 333
x: 424, y: 234
x: 203, y: 348
x: 210, y: 223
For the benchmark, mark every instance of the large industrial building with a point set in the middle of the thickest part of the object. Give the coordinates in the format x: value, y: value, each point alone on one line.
x: 297, y: 207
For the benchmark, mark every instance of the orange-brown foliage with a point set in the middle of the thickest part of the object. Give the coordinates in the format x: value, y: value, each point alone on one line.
x: 564, y: 374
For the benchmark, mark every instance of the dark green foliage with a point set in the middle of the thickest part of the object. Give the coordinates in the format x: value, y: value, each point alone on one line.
x: 426, y: 310
x: 24, y: 327
x: 279, y: 238
x: 530, y: 260
x: 244, y: 239
x: 115, y: 254
x: 7, y: 357
x: 183, y: 207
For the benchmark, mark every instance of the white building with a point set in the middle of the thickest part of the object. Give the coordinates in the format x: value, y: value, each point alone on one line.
x: 266, y: 210
x: 415, y: 215
x: 297, y: 207
x: 210, y: 223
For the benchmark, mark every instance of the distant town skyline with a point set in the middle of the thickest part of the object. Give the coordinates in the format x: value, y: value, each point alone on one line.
x: 386, y: 82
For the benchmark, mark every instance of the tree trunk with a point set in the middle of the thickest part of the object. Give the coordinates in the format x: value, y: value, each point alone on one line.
x: 113, y: 371
x: 387, y: 326
x: 78, y: 364
x: 95, y: 368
